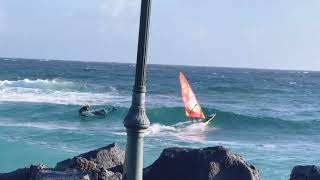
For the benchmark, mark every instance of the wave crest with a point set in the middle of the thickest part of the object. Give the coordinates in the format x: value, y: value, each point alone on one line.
x: 230, y: 121
x: 55, y: 91
x: 38, y: 84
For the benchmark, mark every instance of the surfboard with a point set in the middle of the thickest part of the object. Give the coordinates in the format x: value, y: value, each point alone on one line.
x: 192, y: 106
x: 98, y: 112
x: 210, y: 118
x: 103, y: 112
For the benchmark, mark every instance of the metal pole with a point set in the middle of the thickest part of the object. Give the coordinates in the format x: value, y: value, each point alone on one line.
x: 136, y: 121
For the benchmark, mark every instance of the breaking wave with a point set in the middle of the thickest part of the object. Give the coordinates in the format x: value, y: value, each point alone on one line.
x: 55, y: 91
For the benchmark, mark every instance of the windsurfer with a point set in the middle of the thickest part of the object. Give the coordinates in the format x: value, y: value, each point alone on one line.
x: 192, y: 106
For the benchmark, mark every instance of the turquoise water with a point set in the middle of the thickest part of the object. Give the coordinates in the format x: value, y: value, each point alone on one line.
x: 270, y: 117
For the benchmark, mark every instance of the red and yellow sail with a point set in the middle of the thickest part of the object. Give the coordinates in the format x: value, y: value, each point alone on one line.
x: 192, y: 106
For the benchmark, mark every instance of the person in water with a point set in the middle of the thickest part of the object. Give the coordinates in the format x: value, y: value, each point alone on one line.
x: 84, y: 110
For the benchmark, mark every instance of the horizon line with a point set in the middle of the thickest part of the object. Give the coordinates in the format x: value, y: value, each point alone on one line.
x: 188, y: 65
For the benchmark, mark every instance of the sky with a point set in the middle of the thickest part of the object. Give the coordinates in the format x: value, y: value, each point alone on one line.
x: 272, y: 34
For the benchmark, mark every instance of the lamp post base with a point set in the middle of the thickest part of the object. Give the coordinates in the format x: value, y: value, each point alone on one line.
x: 134, y: 155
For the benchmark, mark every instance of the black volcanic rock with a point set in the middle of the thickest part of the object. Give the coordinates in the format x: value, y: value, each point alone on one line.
x: 24, y: 173
x: 212, y: 163
x: 309, y: 172
x: 100, y: 163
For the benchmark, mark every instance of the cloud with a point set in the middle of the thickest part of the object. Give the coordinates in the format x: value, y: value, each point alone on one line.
x: 121, y: 9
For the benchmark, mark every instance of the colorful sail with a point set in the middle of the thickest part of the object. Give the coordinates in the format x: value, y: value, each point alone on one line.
x: 192, y: 106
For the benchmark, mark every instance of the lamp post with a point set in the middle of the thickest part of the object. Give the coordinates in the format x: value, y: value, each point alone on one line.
x: 136, y: 121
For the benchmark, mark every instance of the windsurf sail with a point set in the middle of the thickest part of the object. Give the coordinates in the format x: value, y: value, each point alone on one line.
x: 192, y: 106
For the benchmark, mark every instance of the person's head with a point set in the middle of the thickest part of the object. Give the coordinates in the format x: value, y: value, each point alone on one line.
x: 86, y: 106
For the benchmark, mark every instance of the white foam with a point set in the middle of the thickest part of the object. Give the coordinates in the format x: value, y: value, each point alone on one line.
x: 60, y: 97
x: 119, y: 133
x: 55, y: 91
x: 183, y: 131
x: 158, y: 129
x: 268, y: 146
x: 9, y: 60
x: 194, y: 132
x: 38, y: 83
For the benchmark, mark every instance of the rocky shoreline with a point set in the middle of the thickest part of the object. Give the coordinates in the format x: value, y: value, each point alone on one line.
x: 106, y: 163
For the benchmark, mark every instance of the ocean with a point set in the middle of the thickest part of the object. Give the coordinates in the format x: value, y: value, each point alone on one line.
x: 270, y: 117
